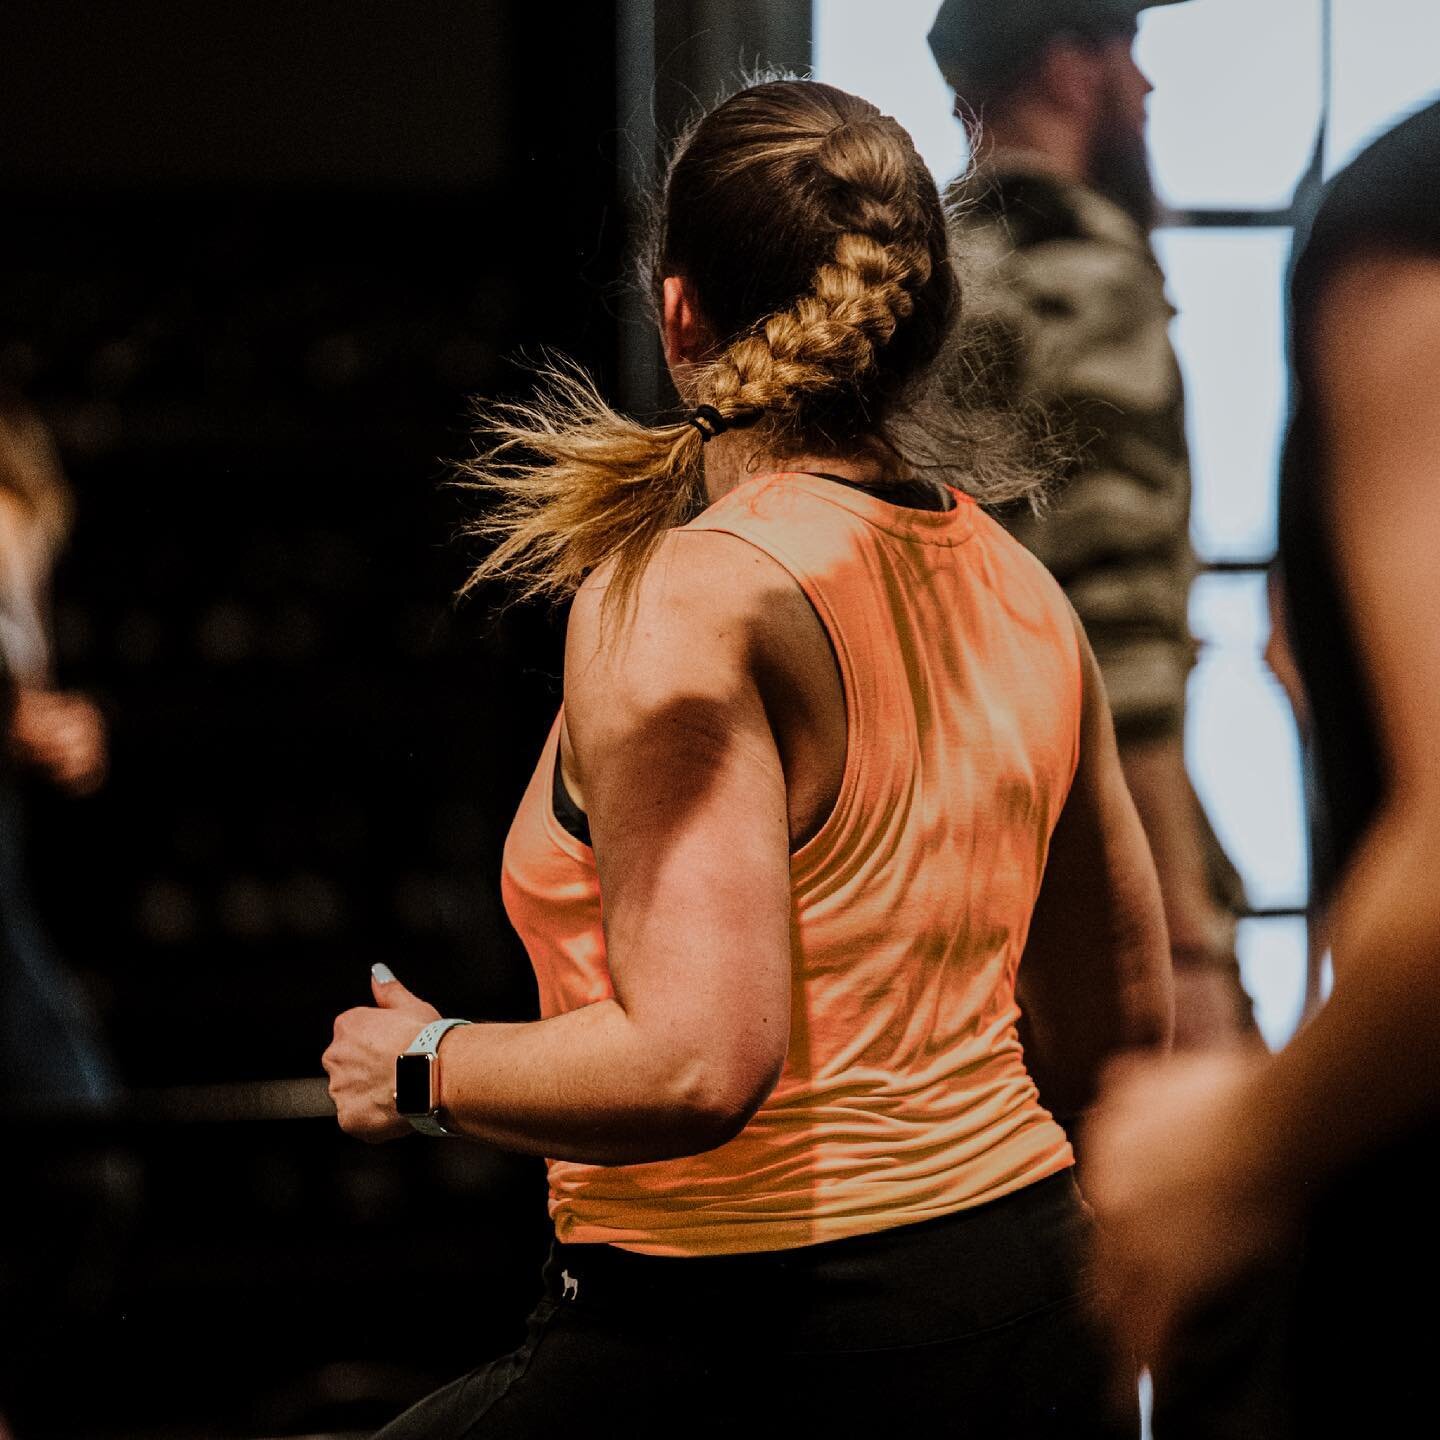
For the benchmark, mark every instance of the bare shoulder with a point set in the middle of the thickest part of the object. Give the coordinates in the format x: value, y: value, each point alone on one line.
x: 1371, y: 281
x: 1377, y: 370
x: 1378, y: 320
x: 1377, y: 361
x: 706, y: 610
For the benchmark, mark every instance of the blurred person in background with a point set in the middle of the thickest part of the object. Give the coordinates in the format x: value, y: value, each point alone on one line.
x: 824, y: 721
x: 50, y: 1051
x: 1280, y: 660
x: 68, y: 1219
x: 1203, y: 1170
x: 1054, y: 219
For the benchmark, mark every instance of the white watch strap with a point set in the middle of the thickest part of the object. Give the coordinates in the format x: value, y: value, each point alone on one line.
x: 427, y: 1042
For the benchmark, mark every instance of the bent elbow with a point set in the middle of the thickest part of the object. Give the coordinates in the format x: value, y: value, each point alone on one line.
x: 717, y: 1102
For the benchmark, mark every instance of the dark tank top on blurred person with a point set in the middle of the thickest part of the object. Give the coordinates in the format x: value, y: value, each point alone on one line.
x: 1366, y: 1327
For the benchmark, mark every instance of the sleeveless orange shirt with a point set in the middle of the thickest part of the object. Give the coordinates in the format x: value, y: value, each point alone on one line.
x: 904, y: 1094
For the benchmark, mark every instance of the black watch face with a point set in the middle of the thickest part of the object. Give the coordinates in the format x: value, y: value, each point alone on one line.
x: 412, y: 1084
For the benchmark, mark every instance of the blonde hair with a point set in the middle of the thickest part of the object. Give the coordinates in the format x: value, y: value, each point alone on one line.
x: 814, y: 241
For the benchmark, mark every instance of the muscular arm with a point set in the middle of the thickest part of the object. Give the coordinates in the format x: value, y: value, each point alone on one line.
x: 1199, y: 1170
x: 1365, y: 1069
x: 1095, y: 978
x: 686, y: 798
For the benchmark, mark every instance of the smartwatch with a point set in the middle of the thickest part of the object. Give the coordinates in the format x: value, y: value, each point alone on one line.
x: 417, y: 1079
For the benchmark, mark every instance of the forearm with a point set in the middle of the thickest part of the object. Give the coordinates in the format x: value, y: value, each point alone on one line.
x: 589, y: 1086
x: 1095, y: 980
x: 1160, y: 787
x: 1364, y: 1071
x: 1068, y: 1060
x: 1068, y: 1070
x: 1094, y: 985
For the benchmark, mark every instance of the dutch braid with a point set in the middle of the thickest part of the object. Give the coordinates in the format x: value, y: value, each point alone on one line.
x: 814, y: 239
x: 826, y: 346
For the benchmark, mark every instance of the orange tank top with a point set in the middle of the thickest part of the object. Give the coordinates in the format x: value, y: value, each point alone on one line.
x: 904, y: 1094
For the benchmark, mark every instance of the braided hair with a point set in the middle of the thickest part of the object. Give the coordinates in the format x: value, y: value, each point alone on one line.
x: 814, y: 241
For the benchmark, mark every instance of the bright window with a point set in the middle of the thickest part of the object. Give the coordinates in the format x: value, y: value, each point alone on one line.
x: 1241, y: 744
x: 879, y: 51
x: 1274, y: 962
x: 1230, y: 334
x: 1384, y: 64
x: 1236, y: 108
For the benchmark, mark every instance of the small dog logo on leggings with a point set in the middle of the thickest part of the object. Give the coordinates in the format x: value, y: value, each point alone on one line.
x: 569, y: 1286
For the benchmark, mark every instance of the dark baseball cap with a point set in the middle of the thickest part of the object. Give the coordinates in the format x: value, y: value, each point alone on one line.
x: 982, y: 45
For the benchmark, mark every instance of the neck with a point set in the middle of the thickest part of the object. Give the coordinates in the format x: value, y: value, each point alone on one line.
x: 1046, y: 136
x: 731, y: 459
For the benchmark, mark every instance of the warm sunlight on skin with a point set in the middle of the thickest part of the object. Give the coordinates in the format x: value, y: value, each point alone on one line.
x: 1200, y: 1169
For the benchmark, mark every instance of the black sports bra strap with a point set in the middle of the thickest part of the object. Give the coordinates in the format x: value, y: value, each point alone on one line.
x: 572, y: 818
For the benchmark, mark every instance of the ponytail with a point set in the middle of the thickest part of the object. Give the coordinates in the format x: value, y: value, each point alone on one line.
x: 577, y: 484
x: 574, y: 484
x: 814, y: 239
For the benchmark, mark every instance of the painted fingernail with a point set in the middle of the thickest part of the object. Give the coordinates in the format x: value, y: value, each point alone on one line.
x: 382, y: 973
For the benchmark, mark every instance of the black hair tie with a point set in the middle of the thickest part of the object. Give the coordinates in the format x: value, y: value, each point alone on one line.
x: 708, y: 421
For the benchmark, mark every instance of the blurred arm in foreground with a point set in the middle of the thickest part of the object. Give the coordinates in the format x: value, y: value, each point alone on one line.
x: 1203, y: 1168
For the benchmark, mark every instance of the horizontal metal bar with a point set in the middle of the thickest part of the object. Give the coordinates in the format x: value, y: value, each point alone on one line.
x: 1209, y: 219
x: 1253, y: 566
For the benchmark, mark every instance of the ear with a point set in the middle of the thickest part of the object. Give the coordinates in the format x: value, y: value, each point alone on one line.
x: 683, y: 332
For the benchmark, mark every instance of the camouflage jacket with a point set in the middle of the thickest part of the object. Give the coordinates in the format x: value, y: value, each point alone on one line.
x: 1069, y: 284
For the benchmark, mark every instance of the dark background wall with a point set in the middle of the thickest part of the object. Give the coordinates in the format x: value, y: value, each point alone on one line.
x: 258, y: 260
x: 409, y: 96
x: 254, y: 261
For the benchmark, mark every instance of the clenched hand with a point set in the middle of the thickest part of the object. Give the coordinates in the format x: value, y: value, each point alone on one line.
x: 361, y: 1059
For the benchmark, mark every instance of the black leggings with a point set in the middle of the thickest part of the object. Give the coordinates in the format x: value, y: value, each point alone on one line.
x: 972, y: 1325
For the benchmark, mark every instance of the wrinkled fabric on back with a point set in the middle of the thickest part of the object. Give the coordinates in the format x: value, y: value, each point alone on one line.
x: 904, y: 1094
